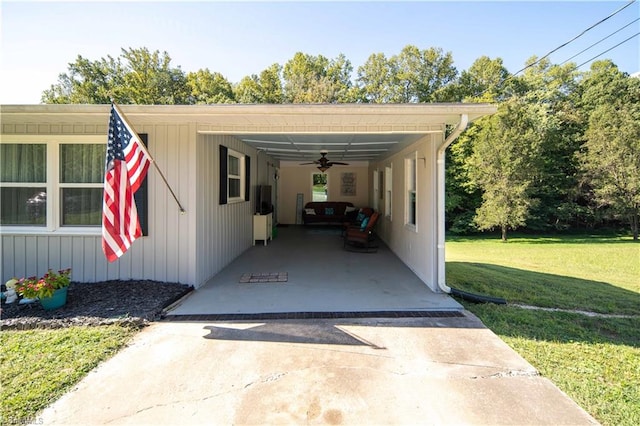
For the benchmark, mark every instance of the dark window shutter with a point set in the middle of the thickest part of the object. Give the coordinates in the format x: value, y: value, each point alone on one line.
x: 247, y: 178
x: 223, y: 174
x: 141, y: 196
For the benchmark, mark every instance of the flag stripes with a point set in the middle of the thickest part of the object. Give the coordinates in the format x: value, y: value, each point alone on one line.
x: 127, y: 163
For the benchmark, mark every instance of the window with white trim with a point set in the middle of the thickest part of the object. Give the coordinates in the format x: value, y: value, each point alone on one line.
x: 319, y: 186
x: 81, y: 184
x: 235, y: 176
x: 411, y: 190
x: 55, y: 183
x: 376, y: 189
x: 388, y: 186
x: 23, y: 184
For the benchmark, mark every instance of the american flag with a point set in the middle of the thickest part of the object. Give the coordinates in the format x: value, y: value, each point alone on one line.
x: 126, y: 167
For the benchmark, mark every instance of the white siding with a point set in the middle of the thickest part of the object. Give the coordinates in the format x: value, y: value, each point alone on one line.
x: 416, y: 248
x: 224, y: 231
x: 167, y: 254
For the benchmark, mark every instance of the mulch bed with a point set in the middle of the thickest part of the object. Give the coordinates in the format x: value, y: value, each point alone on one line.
x: 134, y: 303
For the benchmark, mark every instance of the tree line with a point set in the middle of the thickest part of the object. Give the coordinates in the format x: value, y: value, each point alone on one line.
x: 561, y: 154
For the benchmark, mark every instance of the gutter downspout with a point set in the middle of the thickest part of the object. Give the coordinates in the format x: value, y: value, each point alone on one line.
x: 440, y: 181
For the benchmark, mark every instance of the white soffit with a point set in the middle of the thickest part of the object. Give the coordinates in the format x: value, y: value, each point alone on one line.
x: 288, y: 132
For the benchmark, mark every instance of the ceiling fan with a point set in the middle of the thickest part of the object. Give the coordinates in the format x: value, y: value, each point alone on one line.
x: 324, y: 163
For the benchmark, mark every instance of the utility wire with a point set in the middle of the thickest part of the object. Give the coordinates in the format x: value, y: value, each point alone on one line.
x: 600, y: 41
x: 576, y: 37
x: 611, y: 48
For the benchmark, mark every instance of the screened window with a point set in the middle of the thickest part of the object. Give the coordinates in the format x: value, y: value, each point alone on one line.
x: 23, y: 184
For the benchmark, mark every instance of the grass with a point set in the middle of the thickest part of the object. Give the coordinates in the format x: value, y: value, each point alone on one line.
x: 595, y: 360
x: 38, y: 366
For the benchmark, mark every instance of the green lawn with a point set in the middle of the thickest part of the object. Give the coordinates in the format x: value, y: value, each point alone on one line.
x: 38, y: 366
x: 594, y: 359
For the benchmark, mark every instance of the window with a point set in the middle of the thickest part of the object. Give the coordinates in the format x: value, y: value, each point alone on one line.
x: 319, y: 187
x: 387, y: 193
x: 81, y: 184
x: 376, y: 189
x: 53, y: 184
x: 23, y: 180
x: 410, y: 185
x: 235, y: 169
x: 234, y: 177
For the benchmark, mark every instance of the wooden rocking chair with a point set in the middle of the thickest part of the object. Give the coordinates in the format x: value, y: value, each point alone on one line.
x: 359, y: 239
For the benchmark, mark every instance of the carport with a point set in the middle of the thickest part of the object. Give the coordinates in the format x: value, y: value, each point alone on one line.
x: 395, y: 155
x: 313, y: 277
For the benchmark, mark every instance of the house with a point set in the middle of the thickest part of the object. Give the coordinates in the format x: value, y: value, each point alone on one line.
x: 52, y: 164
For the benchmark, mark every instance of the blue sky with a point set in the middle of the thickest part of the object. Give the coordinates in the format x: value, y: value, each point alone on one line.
x: 40, y: 39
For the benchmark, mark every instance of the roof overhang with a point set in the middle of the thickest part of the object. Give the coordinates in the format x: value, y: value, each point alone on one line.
x: 295, y: 132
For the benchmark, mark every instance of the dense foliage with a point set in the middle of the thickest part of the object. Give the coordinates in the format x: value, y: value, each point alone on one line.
x: 562, y: 153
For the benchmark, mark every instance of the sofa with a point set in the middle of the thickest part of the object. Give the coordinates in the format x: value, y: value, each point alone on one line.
x: 328, y: 212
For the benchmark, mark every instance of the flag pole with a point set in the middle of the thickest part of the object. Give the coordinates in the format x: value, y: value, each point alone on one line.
x: 124, y: 118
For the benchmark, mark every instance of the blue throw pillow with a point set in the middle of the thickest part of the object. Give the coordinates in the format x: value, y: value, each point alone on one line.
x: 360, y: 217
x: 363, y: 226
x: 328, y: 211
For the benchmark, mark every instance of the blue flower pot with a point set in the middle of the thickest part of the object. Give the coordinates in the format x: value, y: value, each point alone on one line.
x: 57, y: 300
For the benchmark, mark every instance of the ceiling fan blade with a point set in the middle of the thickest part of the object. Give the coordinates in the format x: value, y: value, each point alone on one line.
x: 333, y: 163
x: 304, y: 164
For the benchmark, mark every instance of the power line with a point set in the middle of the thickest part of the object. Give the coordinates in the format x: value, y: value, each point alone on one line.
x: 600, y: 41
x: 611, y: 48
x: 576, y: 37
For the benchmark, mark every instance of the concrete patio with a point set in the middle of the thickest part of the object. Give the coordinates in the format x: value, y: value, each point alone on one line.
x: 321, y: 277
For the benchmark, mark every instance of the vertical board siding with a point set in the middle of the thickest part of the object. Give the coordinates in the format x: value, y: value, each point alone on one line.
x: 416, y: 249
x: 224, y: 231
x: 165, y: 255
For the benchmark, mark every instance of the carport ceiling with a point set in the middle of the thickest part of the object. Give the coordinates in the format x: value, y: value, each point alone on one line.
x: 347, y: 132
x: 339, y: 147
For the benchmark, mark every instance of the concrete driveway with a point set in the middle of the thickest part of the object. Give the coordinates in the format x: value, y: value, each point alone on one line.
x: 438, y: 371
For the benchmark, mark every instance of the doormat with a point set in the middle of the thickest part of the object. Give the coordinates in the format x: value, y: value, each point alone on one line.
x: 265, y: 277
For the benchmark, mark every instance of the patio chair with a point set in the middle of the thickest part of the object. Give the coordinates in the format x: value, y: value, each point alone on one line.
x: 356, y: 220
x: 359, y: 239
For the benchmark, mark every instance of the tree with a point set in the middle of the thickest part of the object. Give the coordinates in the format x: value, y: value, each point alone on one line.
x: 551, y: 93
x: 501, y: 166
x: 484, y: 81
x: 271, y: 85
x: 375, y: 79
x: 150, y: 80
x: 610, y: 158
x: 209, y: 88
x: 263, y: 89
x: 316, y: 79
x: 136, y: 77
x: 421, y: 75
x: 87, y: 82
x: 462, y: 197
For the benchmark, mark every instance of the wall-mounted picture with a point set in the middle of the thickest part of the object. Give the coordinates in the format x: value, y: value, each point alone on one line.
x: 348, y: 184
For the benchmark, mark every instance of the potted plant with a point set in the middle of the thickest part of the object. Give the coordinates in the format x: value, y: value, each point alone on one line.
x: 51, y: 289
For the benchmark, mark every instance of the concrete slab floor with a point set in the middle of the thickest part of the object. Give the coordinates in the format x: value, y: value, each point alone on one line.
x: 321, y: 277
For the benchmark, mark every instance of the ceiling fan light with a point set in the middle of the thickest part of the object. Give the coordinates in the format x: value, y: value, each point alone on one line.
x: 323, y: 168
